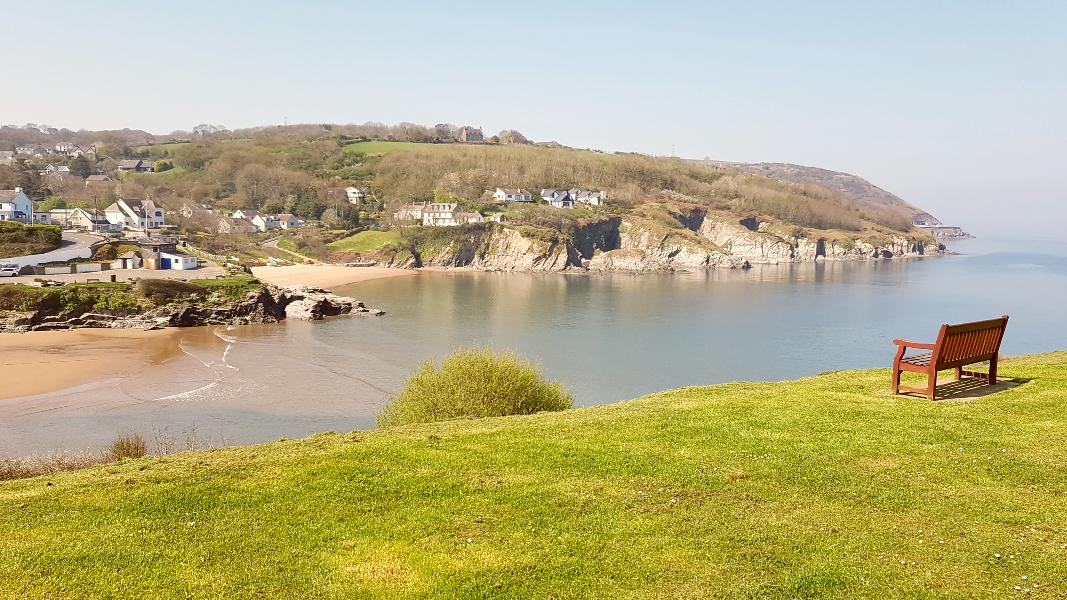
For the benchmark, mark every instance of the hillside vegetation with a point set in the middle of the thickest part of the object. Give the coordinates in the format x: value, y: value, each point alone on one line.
x: 17, y: 239
x: 825, y: 487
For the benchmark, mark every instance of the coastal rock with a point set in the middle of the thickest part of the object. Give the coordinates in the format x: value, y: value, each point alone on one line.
x: 268, y: 305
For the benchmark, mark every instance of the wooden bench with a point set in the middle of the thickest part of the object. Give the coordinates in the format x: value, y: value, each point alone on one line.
x: 956, y: 347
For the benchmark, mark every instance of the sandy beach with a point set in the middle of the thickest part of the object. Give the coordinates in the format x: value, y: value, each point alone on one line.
x: 325, y: 276
x: 46, y: 361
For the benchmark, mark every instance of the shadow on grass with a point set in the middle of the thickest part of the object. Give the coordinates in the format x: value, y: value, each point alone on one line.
x: 970, y: 387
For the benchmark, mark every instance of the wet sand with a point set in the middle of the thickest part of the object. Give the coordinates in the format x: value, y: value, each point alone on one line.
x: 47, y: 361
x: 326, y: 276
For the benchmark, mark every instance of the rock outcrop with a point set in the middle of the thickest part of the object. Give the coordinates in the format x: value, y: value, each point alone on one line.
x: 698, y: 240
x: 270, y: 304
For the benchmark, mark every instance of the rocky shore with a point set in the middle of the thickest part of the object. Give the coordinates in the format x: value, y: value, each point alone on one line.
x: 625, y: 243
x: 270, y: 304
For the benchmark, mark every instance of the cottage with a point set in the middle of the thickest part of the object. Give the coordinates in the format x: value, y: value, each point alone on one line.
x: 588, y: 197
x: 135, y: 214
x: 15, y: 205
x: 265, y: 222
x: 512, y: 195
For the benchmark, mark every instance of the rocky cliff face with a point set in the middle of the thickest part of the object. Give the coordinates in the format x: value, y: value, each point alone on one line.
x: 268, y: 305
x: 637, y: 244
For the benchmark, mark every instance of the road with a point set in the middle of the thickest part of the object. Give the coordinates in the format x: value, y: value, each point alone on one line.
x: 273, y: 244
x: 75, y: 245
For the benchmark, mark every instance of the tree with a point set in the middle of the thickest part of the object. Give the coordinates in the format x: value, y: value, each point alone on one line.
x: 81, y: 166
x: 510, y: 136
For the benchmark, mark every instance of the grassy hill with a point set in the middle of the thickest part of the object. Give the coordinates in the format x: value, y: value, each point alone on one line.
x: 17, y: 239
x: 823, y: 487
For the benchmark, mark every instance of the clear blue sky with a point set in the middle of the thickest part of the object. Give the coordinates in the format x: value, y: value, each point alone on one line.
x: 958, y: 107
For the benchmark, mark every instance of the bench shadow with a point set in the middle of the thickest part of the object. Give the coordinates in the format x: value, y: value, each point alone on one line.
x: 971, y: 387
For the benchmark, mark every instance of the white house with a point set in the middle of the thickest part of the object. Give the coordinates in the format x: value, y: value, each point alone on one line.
x: 78, y: 218
x: 512, y: 195
x: 589, y: 197
x: 15, y: 205
x: 287, y: 221
x: 178, y: 262
x: 558, y: 198
x: 65, y: 147
x: 356, y: 195
x: 439, y: 214
x: 244, y: 213
x: 235, y: 225
x: 135, y: 214
x: 265, y: 222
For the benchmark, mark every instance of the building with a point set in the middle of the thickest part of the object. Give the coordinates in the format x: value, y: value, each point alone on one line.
x: 497, y: 218
x: 65, y: 147
x: 410, y: 212
x: 265, y: 222
x: 356, y: 195
x: 235, y: 225
x: 135, y: 214
x: 444, y: 214
x: 15, y: 205
x: 557, y: 198
x: 512, y: 195
x: 288, y: 221
x: 78, y: 218
x: 162, y: 253
x: 470, y: 134
x: 34, y: 151
x: 127, y: 260
x: 136, y: 166
x: 588, y: 197
x: 98, y: 181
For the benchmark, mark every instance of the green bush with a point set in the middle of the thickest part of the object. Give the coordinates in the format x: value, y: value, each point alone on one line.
x: 475, y: 383
x: 164, y: 291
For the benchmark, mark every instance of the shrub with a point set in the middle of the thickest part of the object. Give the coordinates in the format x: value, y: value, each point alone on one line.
x: 129, y: 446
x: 164, y: 291
x: 475, y: 383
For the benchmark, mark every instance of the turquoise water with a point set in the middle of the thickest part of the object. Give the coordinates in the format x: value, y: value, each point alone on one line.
x: 609, y: 337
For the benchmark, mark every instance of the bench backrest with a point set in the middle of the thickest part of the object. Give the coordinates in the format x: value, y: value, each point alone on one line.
x: 967, y: 343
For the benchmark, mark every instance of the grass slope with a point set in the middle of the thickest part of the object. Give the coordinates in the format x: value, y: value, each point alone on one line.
x: 822, y: 487
x: 382, y: 147
x: 365, y: 241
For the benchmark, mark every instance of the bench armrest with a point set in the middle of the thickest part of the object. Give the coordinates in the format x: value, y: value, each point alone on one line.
x: 919, y: 345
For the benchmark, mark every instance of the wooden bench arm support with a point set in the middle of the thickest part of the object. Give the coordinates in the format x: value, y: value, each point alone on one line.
x: 918, y: 345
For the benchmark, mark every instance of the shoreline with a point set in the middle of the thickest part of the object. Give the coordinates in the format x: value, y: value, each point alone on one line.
x: 326, y: 276
x: 51, y: 361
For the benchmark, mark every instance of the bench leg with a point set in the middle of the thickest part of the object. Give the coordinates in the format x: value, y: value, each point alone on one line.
x: 896, y: 380
x: 959, y: 373
x: 992, y: 370
x: 931, y: 385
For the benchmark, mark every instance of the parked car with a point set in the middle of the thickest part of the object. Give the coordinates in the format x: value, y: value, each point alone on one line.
x: 9, y: 270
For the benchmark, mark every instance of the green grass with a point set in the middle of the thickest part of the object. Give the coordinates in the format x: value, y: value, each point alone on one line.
x: 381, y: 147
x: 825, y: 487
x: 365, y: 241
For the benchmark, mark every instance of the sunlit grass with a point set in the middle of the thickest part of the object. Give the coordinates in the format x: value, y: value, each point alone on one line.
x: 824, y: 487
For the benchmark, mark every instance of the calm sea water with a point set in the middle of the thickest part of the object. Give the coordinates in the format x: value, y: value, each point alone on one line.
x: 609, y: 337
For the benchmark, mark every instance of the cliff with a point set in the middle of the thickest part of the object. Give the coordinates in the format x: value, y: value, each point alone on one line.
x: 691, y: 238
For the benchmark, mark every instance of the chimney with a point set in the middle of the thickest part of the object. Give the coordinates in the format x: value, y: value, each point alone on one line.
x: 18, y: 189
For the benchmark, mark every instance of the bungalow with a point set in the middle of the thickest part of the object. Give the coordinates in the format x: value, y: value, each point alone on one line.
x: 288, y: 221
x: 512, y: 195
x: 136, y: 165
x: 356, y: 195
x: 135, y: 214
x: 15, y: 205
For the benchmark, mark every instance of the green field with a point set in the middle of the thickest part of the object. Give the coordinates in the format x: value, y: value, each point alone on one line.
x: 824, y: 487
x: 380, y: 147
x: 365, y: 241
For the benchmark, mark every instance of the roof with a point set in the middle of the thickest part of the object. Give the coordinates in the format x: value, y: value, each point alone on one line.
x: 98, y: 178
x: 514, y: 190
x: 286, y: 216
x: 9, y: 195
x: 130, y: 163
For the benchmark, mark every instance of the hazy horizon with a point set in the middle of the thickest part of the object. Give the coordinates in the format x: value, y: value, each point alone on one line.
x: 957, y: 110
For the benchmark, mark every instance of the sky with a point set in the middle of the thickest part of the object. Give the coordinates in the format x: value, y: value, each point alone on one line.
x: 958, y: 107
